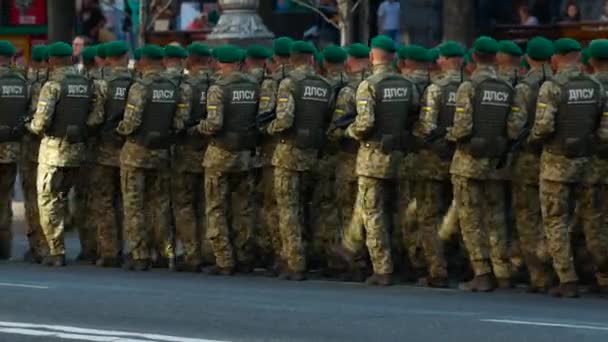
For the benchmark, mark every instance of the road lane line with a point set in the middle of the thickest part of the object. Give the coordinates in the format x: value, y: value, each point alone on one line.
x: 27, y: 286
x: 547, y: 324
x: 76, y: 330
x: 77, y: 337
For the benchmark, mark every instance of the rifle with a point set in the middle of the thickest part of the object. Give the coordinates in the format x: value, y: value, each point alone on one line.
x: 515, y: 145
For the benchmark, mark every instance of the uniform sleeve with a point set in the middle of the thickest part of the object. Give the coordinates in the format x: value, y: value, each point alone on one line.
x: 100, y: 93
x: 133, y: 110
x: 285, y: 108
x: 546, y: 107
x: 463, y: 115
x: 602, y: 131
x: 34, y: 96
x: 429, y: 111
x: 268, y: 99
x: 215, y: 112
x: 183, y: 107
x: 49, y: 95
x: 364, y: 122
x: 519, y: 111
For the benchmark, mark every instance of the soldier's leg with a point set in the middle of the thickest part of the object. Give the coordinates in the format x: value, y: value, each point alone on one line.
x: 217, y: 197
x: 555, y: 208
x: 243, y: 218
x: 136, y: 232
x: 159, y: 195
x: 429, y: 211
x: 495, y: 220
x: 269, y: 213
x: 53, y: 186
x: 8, y: 172
x: 85, y: 226
x: 346, y: 195
x: 263, y: 244
x: 469, y: 199
x: 101, y: 209
x: 596, y: 236
x: 184, y: 189
x: 38, y: 245
x: 287, y: 186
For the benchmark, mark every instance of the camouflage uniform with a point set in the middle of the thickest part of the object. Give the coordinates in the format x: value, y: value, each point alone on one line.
x: 59, y: 161
x: 144, y: 173
x: 375, y: 170
x: 228, y: 184
x: 28, y: 170
x: 474, y: 189
x: 562, y: 177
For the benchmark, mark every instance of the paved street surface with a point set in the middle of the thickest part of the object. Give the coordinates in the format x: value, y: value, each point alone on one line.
x: 83, y: 303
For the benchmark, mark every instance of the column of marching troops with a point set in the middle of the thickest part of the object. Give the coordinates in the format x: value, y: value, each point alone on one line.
x: 374, y: 163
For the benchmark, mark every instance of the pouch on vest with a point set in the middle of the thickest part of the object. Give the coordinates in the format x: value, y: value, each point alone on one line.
x: 198, y: 111
x: 445, y: 118
x: 118, y: 91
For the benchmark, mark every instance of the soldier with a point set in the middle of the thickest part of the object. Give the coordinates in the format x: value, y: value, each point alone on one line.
x: 187, y: 180
x: 175, y: 56
x: 100, y: 58
x: 480, y: 144
x: 526, y: 168
x: 268, y: 236
x: 38, y: 74
x: 156, y: 109
x: 88, y: 57
x: 68, y: 104
x: 508, y: 59
x: 232, y: 104
x: 433, y: 187
x: 136, y: 67
x: 303, y: 103
x: 434, y: 67
x: 585, y: 57
x: 569, y: 126
x: 385, y: 102
x: 255, y: 62
x: 469, y: 64
x: 14, y: 103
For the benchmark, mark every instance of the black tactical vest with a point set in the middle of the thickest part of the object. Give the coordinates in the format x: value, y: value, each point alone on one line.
x: 72, y: 109
x: 491, y: 107
x: 534, y: 82
x: 240, y: 100
x: 14, y: 95
x: 156, y: 128
x: 577, y: 118
x: 348, y: 144
x: 118, y: 91
x: 393, y: 104
x: 445, y: 119
x: 312, y: 101
x: 198, y: 109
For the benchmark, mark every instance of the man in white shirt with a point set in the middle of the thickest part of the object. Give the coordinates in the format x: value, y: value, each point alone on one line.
x: 389, y: 15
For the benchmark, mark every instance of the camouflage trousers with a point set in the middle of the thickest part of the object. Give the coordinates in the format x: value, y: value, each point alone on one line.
x: 346, y: 187
x: 292, y: 194
x: 532, y: 239
x: 482, y: 216
x: 8, y: 172
x: 146, y: 205
x: 35, y: 235
x: 405, y: 235
x: 432, y: 201
x: 54, y: 184
x: 79, y: 215
x: 230, y: 220
x: 187, y: 196
x: 370, y: 224
x: 554, y: 199
x: 104, y: 209
x: 268, y: 239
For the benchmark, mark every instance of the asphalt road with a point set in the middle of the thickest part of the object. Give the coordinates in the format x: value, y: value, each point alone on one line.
x: 83, y: 303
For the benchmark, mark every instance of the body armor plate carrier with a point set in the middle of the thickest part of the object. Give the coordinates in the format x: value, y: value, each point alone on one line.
x: 14, y: 103
x: 156, y: 128
x: 445, y: 119
x: 312, y: 101
x: 72, y: 109
x: 118, y: 90
x: 239, y: 131
x: 198, y: 110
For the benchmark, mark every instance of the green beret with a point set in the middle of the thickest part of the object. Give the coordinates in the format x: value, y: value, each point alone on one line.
x: 524, y: 64
x: 417, y: 53
x: 137, y: 54
x: 199, y: 49
x: 334, y: 54
x: 433, y: 55
x: 175, y: 51
x: 302, y: 47
x: 384, y: 43
x: 7, y: 49
x: 451, y: 49
x: 88, y: 54
x: 116, y: 48
x: 539, y: 48
x: 319, y: 58
x: 485, y: 45
x: 566, y: 45
x: 402, y: 52
x: 509, y: 47
x: 243, y: 54
x: 599, y: 49
x: 585, y: 56
x: 60, y: 49
x: 258, y: 52
x: 282, y: 46
x: 101, y: 51
x: 153, y: 52
x: 358, y: 50
x: 228, y: 54
x: 39, y: 53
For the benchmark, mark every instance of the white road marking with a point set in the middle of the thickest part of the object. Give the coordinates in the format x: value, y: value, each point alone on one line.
x: 548, y: 324
x: 27, y: 286
x: 109, y: 335
x: 77, y: 337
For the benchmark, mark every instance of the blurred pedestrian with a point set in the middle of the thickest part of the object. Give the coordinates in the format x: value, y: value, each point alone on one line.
x: 389, y: 16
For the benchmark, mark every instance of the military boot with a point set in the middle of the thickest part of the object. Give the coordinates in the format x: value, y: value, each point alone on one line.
x: 565, y: 290
x: 294, y: 276
x: 481, y: 283
x: 54, y: 261
x: 343, y: 255
x: 380, y: 280
x: 216, y: 270
x: 138, y: 265
x: 244, y: 268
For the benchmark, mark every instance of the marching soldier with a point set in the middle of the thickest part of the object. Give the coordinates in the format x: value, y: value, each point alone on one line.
x: 255, y: 62
x: 175, y: 56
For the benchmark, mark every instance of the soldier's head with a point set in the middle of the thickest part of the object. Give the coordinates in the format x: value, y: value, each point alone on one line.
x: 282, y: 50
x: 509, y: 54
x: 383, y: 50
x: 117, y: 54
x: 39, y: 57
x: 586, y: 66
x: 334, y: 58
x: 358, y: 58
x: 100, y: 59
x: 411, y: 58
x: 228, y: 58
x: 175, y: 56
x: 87, y: 56
x: 7, y: 53
x: 567, y: 52
x: 599, y: 55
x: 256, y: 57
x: 151, y: 57
x: 538, y: 52
x: 484, y: 51
x: 60, y: 55
x: 302, y: 53
x: 199, y: 56
x: 450, y: 56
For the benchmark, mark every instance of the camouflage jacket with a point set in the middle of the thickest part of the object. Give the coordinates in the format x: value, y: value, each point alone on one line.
x: 132, y: 153
x: 258, y: 74
x: 57, y: 151
x: 9, y: 151
x: 508, y: 74
x: 31, y: 142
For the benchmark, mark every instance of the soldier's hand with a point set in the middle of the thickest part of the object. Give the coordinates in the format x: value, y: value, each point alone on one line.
x: 336, y: 135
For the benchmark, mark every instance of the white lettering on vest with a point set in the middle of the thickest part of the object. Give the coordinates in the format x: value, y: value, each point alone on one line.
x: 495, y: 97
x: 78, y: 90
x: 580, y: 95
x: 394, y: 94
x: 203, y: 98
x: 120, y: 94
x: 13, y: 91
x: 452, y: 98
x: 315, y: 93
x: 243, y: 96
x: 162, y: 95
